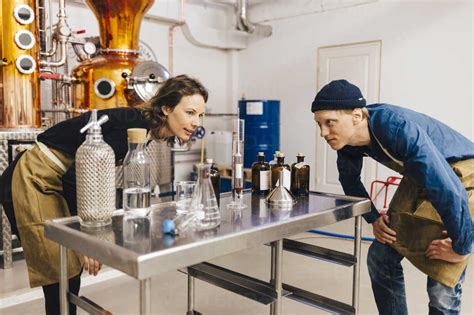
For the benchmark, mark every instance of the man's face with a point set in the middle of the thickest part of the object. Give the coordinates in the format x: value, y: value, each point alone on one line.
x: 184, y: 118
x: 337, y: 127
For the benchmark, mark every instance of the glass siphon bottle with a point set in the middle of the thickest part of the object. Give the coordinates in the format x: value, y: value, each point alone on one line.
x: 261, y: 175
x: 95, y: 176
x: 280, y: 166
x: 215, y: 179
x: 300, y: 177
x: 136, y: 176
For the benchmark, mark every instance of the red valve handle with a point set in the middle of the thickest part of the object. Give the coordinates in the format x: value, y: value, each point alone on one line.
x: 51, y: 76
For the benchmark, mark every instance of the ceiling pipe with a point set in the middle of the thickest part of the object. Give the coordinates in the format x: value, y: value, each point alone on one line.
x: 243, y: 23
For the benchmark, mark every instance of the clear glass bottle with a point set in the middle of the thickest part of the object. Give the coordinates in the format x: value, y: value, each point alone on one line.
x: 261, y: 175
x: 204, y: 202
x: 95, y: 176
x: 215, y: 179
x: 300, y: 177
x: 136, y: 176
x: 280, y: 166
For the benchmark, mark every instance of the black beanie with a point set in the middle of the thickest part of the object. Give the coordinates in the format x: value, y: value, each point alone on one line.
x: 338, y: 94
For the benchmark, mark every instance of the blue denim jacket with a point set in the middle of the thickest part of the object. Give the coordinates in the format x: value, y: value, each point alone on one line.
x: 424, y: 147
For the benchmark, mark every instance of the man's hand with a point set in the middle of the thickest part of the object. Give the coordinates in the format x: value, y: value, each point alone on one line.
x: 91, y: 265
x: 382, y: 232
x: 443, y: 250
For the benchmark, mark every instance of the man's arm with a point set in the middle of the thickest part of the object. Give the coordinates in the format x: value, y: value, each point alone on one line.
x: 349, y: 168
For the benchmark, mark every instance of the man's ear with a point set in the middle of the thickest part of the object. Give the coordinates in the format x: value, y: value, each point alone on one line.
x: 357, y: 115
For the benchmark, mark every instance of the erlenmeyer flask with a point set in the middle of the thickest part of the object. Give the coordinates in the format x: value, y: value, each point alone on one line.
x: 204, y: 201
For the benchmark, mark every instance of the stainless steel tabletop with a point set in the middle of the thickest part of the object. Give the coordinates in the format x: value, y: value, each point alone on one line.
x: 141, y: 250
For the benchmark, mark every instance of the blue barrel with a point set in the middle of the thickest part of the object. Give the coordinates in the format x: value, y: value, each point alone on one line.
x: 262, y: 128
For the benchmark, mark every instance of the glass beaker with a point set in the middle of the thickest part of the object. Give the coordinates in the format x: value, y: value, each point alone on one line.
x: 184, y: 195
x: 204, y: 201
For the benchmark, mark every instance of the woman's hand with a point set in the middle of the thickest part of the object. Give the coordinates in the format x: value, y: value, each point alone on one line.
x: 91, y: 265
x: 382, y: 232
x: 443, y: 250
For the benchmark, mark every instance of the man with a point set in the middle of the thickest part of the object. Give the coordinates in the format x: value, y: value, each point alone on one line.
x: 429, y: 220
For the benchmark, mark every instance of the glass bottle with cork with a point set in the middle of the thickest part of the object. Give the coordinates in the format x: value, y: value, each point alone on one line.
x: 280, y: 166
x: 261, y: 175
x: 136, y: 176
x: 300, y: 176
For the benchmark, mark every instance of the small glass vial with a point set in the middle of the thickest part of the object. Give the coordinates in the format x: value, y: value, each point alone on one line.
x: 300, y: 177
x: 136, y: 176
x: 280, y: 166
x: 261, y: 175
x: 215, y: 179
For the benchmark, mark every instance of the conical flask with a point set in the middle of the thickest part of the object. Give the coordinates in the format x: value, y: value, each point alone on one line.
x: 204, y: 201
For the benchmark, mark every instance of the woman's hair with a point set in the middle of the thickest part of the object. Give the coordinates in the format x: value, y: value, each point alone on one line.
x: 170, y: 94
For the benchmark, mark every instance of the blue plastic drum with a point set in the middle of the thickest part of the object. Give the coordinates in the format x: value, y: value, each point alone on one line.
x: 262, y: 128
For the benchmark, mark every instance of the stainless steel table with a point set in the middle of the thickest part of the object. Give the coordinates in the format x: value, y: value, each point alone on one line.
x: 140, y: 250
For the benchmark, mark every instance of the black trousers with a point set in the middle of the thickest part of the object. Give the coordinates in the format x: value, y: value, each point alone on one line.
x: 51, y: 296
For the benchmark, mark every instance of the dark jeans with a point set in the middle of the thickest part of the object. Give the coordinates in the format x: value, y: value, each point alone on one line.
x: 51, y: 296
x: 388, y: 285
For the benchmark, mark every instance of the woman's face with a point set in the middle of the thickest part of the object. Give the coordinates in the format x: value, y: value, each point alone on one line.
x: 184, y: 118
x: 337, y: 127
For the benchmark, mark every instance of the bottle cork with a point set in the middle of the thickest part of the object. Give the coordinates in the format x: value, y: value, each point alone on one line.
x: 136, y: 135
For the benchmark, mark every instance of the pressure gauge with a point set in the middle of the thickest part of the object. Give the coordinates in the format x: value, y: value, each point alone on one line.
x: 146, y: 52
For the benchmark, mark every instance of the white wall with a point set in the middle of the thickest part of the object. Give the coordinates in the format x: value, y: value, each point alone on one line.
x: 426, y: 61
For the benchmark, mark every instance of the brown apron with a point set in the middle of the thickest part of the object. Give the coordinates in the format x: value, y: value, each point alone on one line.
x: 38, y: 196
x: 417, y: 224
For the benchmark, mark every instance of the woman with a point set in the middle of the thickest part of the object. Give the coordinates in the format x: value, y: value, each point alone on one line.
x: 429, y: 219
x: 32, y: 188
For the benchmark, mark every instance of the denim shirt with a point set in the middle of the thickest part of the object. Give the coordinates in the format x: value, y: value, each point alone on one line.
x: 423, y: 147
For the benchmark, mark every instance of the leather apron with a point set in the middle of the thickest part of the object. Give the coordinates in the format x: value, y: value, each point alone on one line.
x: 37, y: 197
x: 417, y: 224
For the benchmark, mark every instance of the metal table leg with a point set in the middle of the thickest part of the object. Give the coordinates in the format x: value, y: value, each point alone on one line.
x: 145, y: 297
x: 276, y: 266
x: 63, y: 281
x: 356, y: 274
x: 190, y: 295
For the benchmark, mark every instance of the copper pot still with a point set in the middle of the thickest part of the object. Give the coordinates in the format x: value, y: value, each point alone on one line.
x: 102, y: 80
x: 19, y: 51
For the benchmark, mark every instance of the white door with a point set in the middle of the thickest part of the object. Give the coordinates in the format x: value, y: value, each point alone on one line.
x: 359, y: 64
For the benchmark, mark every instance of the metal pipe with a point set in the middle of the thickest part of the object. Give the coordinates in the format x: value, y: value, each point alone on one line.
x: 62, y: 34
x: 356, y: 273
x: 244, y: 24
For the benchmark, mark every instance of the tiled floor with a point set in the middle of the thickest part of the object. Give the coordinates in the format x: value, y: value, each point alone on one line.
x: 119, y: 294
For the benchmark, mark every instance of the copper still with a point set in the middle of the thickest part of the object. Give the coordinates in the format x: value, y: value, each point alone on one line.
x: 106, y: 81
x: 19, y: 54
